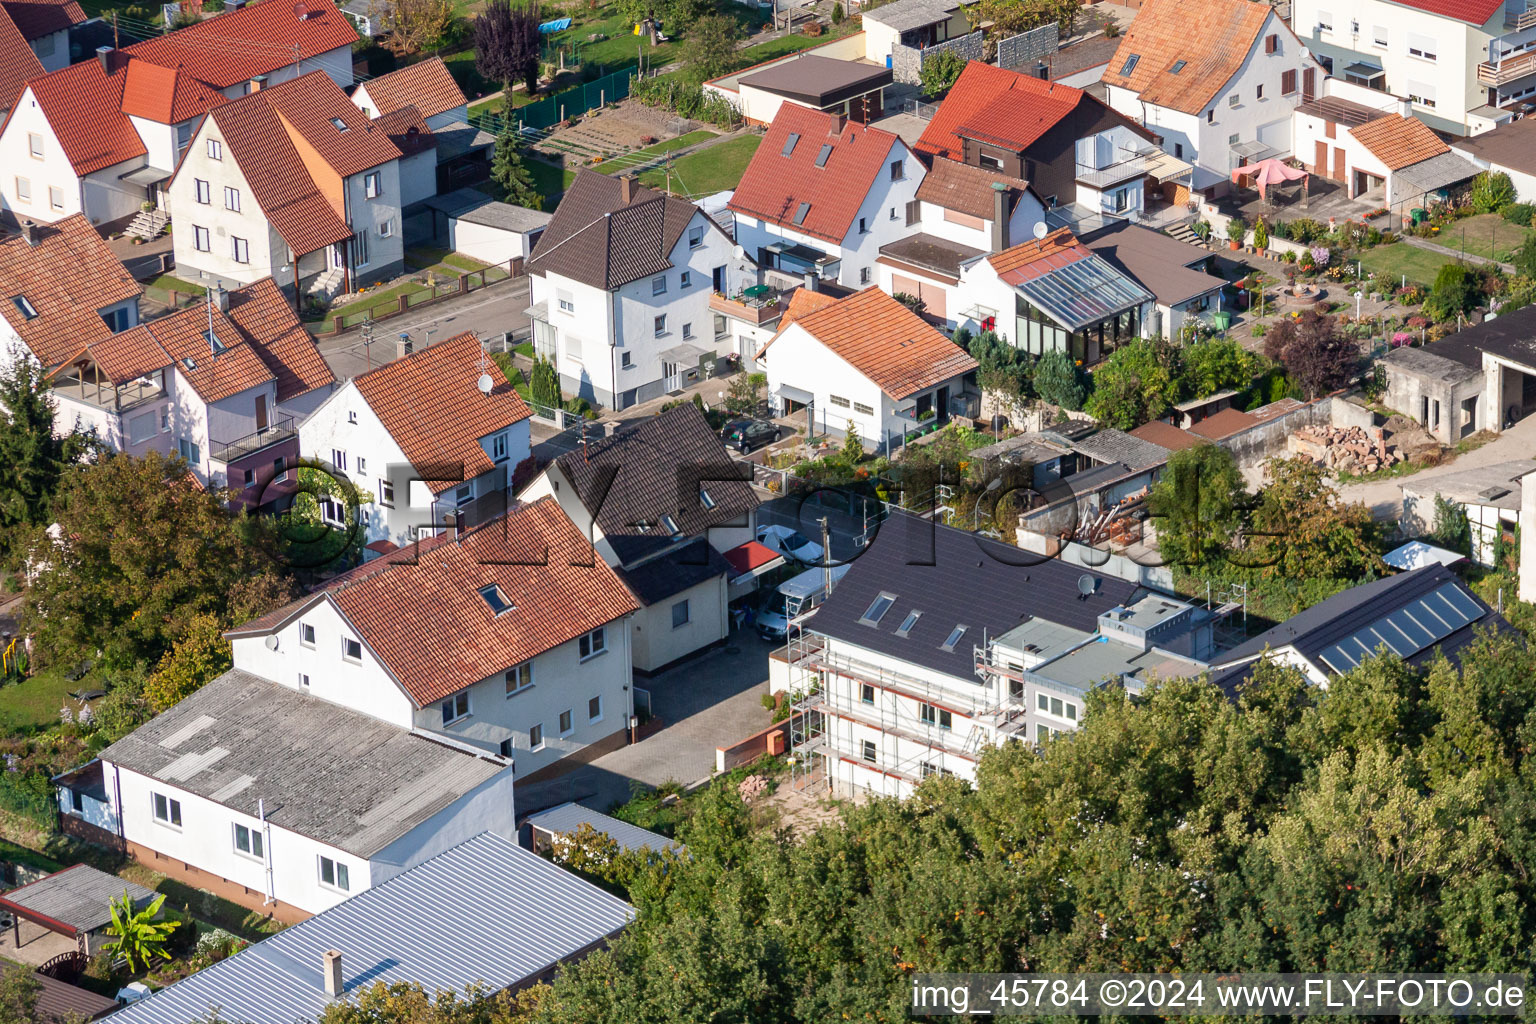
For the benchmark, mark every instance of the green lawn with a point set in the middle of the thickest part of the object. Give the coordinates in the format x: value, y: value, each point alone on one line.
x: 639, y: 156
x: 1391, y: 262
x: 549, y: 179
x: 1485, y: 235
x: 35, y: 702
x: 707, y: 170
x: 168, y: 282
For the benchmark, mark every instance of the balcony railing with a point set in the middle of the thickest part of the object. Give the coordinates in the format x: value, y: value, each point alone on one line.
x: 754, y: 309
x: 1122, y: 170
x: 103, y: 395
x: 1507, y: 70
x: 1515, y: 21
x: 280, y: 430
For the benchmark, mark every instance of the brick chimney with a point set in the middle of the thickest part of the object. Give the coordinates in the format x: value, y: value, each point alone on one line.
x: 627, y: 189
x: 258, y: 83
x: 838, y: 121
x: 1000, y: 214
x: 330, y: 972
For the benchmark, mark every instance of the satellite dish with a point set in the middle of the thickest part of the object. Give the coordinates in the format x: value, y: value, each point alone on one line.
x: 740, y: 252
x: 271, y: 642
x: 1041, y: 230
x: 1086, y: 585
x: 485, y: 383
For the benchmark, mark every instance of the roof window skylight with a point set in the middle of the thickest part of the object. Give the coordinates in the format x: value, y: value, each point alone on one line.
x: 877, y: 609
x: 908, y: 622
x: 339, y: 124
x: 705, y: 499
x: 496, y: 599
x: 1130, y: 64
x: 1178, y: 65
x: 26, y: 308
x: 953, y: 638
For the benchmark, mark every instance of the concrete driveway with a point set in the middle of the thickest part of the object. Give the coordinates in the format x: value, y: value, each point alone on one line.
x: 709, y: 701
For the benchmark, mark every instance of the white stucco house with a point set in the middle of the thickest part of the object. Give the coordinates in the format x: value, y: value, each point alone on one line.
x: 960, y: 213
x: 1055, y: 293
x: 662, y: 503
x: 1460, y: 64
x: 621, y: 284
x: 1217, y: 80
x: 102, y: 137
x: 866, y: 363
x: 422, y: 442
x: 290, y: 181
x: 345, y: 746
x: 822, y: 194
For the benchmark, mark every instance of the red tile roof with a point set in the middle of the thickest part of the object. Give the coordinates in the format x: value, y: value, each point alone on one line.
x: 1224, y: 424
x: 886, y: 342
x: 311, y: 105
x: 126, y: 356
x: 68, y: 278
x: 1031, y: 259
x: 968, y: 190
x: 265, y: 316
x: 17, y: 61
x: 255, y: 137
x: 775, y: 186
x: 1474, y: 12
x: 430, y: 404
x: 1004, y: 107
x: 38, y: 18
x: 400, y: 603
x: 407, y: 129
x: 1399, y: 141
x: 83, y: 105
x: 1161, y: 37
x: 427, y: 86
x: 214, y: 376
x: 1168, y: 436
x: 256, y: 40
x: 165, y: 95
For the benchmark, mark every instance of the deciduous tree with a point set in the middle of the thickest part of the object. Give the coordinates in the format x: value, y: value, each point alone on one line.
x: 1010, y: 17
x: 418, y: 26
x: 1315, y: 355
x: 1134, y: 385
x: 141, y: 551
x: 1198, y: 506
x: 195, y: 660
x: 710, y: 48
x: 508, y: 43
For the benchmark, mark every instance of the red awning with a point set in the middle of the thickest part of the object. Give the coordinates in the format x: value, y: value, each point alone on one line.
x: 752, y: 559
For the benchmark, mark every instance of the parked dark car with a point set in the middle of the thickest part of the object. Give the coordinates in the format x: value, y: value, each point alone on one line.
x: 749, y: 435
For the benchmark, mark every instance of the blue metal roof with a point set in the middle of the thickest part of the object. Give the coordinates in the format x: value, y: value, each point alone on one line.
x: 1084, y: 292
x: 569, y: 817
x: 484, y: 911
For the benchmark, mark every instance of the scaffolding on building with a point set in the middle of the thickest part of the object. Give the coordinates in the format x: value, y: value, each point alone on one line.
x: 820, y: 706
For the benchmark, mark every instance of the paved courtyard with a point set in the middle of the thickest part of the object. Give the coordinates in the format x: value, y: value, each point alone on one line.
x: 709, y: 701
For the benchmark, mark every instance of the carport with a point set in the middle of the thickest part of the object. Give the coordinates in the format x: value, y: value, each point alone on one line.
x: 74, y: 903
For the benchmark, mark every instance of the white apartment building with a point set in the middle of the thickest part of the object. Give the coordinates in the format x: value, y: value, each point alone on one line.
x: 1217, y: 80
x: 622, y: 280
x: 424, y: 442
x: 102, y: 137
x: 291, y: 182
x: 908, y: 657
x: 822, y: 195
x: 1457, y: 63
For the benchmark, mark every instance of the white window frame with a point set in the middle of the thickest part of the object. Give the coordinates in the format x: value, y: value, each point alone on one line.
x: 231, y: 198
x: 695, y: 237
x: 35, y: 145
x: 455, y: 707
x: 687, y: 613
x: 346, y: 643
x: 341, y: 878
x: 215, y: 150
x: 598, y: 700
x: 306, y: 635
x: 518, y: 679
x: 659, y: 284
x: 372, y: 185
x: 24, y: 189
x: 55, y: 197
x: 172, y: 817
x: 536, y: 737
x: 596, y: 643
x: 255, y: 844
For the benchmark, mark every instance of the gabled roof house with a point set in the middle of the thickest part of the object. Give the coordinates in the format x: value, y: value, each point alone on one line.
x: 102, y: 136
x: 822, y: 194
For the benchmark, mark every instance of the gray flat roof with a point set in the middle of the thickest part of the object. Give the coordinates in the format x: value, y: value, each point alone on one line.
x: 505, y: 216
x: 569, y: 817
x: 1424, y: 363
x: 1111, y: 445
x: 820, y: 80
x: 904, y: 15
x: 77, y: 896
x: 1497, y: 486
x: 484, y: 911
x: 1046, y: 638
x: 338, y: 776
x: 1108, y: 660
x: 456, y: 138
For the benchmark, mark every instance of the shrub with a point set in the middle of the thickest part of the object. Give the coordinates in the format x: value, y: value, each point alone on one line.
x: 1519, y: 213
x: 940, y: 71
x: 1454, y: 292
x: 1260, y: 234
x: 1237, y: 230
x: 1280, y: 229
x: 27, y: 794
x: 1305, y: 229
x: 1491, y: 190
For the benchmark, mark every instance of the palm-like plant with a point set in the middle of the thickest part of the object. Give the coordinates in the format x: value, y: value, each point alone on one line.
x: 140, y: 939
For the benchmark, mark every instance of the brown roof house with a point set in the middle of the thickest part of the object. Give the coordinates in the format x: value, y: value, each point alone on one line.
x: 626, y: 284
x: 220, y: 383
x: 662, y: 502
x: 102, y: 136
x: 290, y: 180
x: 1216, y: 79
x: 868, y: 363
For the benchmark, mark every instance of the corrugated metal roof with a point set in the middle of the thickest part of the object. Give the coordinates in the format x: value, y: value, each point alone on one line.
x: 485, y: 911
x: 569, y: 817
x: 78, y: 896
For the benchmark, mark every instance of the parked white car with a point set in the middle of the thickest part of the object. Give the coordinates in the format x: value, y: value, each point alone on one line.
x: 790, y: 543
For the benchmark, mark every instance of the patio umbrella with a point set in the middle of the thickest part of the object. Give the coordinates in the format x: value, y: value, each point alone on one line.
x: 1269, y: 172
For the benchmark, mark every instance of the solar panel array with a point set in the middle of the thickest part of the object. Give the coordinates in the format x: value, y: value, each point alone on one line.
x: 1409, y: 630
x: 1084, y: 292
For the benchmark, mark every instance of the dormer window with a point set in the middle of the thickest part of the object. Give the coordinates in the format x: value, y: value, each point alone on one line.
x: 25, y: 307
x: 338, y: 124
x: 495, y: 597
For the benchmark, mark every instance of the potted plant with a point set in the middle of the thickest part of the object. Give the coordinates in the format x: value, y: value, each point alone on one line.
x: 1236, y: 232
x: 1260, y: 236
